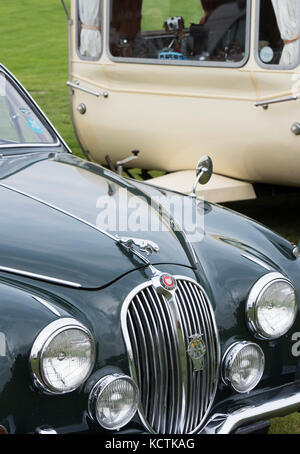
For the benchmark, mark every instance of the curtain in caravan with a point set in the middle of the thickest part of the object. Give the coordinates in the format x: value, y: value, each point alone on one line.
x: 90, y: 36
x: 288, y: 19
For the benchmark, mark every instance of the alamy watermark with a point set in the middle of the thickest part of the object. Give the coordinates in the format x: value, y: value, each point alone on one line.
x: 130, y: 214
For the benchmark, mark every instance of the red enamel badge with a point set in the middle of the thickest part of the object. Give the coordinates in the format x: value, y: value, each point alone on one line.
x: 167, y: 281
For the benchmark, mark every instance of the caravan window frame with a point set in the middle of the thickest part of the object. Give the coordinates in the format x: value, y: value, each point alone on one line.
x: 182, y: 63
x: 77, y: 33
x: 256, y: 47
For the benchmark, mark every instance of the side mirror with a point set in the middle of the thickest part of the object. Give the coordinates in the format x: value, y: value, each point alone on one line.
x: 204, y: 172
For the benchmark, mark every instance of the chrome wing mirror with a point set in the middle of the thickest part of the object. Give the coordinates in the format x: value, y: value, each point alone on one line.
x: 204, y: 172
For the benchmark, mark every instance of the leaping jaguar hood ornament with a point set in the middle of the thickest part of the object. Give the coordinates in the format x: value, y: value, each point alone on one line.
x: 143, y: 245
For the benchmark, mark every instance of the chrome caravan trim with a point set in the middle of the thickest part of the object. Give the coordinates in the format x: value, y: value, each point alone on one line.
x: 265, y: 104
x: 183, y: 317
x: 86, y: 90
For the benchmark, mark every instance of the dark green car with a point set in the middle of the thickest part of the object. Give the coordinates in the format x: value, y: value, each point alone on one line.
x: 120, y: 316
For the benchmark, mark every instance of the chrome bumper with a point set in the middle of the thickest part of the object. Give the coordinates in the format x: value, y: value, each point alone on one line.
x: 266, y: 405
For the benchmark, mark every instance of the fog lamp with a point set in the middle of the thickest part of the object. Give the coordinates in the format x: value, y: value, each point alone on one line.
x: 113, y: 401
x: 243, y: 366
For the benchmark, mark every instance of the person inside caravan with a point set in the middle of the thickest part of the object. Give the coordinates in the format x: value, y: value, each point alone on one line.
x: 207, y: 30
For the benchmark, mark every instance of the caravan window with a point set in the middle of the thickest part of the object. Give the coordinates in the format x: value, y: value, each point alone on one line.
x: 89, y: 35
x: 165, y: 31
x: 279, y: 32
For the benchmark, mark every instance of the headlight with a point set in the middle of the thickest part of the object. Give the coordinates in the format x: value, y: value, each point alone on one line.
x: 62, y: 356
x: 271, y: 306
x: 243, y: 366
x: 113, y: 401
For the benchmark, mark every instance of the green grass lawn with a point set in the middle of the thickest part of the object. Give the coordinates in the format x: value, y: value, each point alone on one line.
x: 33, y: 45
x: 155, y: 12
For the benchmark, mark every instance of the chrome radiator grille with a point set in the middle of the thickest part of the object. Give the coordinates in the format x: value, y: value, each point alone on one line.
x: 174, y: 397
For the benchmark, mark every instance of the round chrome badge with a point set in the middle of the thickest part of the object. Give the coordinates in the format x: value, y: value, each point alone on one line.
x: 167, y: 282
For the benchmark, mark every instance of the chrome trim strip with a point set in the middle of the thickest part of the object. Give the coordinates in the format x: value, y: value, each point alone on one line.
x: 45, y: 430
x: 48, y: 305
x: 257, y: 261
x: 39, y: 276
x: 254, y: 294
x: 221, y: 423
x: 31, y: 145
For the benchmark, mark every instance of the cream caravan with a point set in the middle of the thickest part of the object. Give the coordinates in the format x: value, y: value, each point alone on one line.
x: 177, y: 79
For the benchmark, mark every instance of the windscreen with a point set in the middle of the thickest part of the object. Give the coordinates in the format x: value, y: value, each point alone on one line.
x: 20, y: 123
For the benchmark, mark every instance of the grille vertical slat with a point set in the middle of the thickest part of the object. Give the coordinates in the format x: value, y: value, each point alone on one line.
x: 157, y: 331
x: 171, y: 369
x: 191, y: 327
x: 203, y: 376
x: 211, y: 343
x: 195, y: 404
x: 177, y: 393
x: 201, y: 323
x: 153, y: 358
x: 164, y: 359
x: 143, y: 358
x: 134, y: 347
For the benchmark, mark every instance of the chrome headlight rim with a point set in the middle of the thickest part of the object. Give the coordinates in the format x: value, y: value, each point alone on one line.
x: 41, y: 342
x: 230, y: 356
x: 99, y: 387
x: 258, y: 288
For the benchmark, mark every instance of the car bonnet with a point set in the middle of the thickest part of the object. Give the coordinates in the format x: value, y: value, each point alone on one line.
x: 51, y: 205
